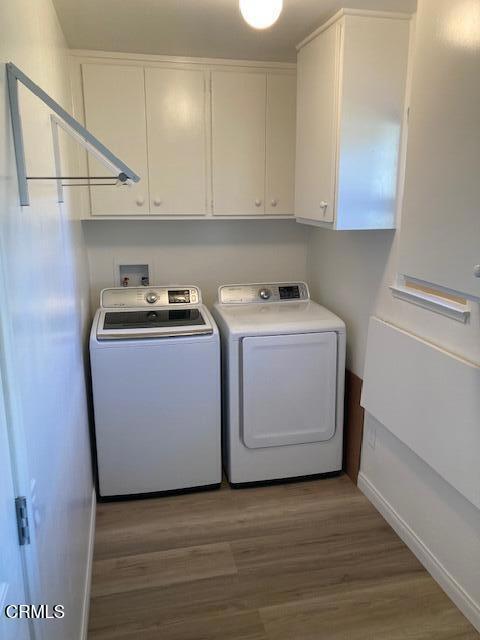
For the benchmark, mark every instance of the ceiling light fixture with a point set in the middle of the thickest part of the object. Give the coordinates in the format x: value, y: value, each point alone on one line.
x: 261, y: 14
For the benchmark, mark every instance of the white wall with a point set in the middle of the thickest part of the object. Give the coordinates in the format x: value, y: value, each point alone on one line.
x: 351, y: 273
x: 44, y: 293
x: 204, y: 253
x: 346, y: 270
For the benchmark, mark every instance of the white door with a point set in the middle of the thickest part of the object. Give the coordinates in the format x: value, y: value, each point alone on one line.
x: 289, y: 389
x: 114, y: 98
x: 317, y: 78
x: 440, y: 226
x: 280, y: 144
x: 12, y: 587
x: 177, y: 153
x: 238, y: 142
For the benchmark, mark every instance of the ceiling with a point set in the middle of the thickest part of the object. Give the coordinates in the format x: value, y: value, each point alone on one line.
x: 204, y: 28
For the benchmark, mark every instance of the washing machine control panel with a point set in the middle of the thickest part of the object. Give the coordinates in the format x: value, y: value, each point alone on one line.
x: 266, y: 292
x: 135, y: 297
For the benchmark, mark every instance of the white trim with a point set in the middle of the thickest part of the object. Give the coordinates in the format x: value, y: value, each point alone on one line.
x: 89, y: 569
x: 444, y: 307
x: 432, y: 564
x: 140, y: 57
x: 167, y: 218
x: 321, y: 224
x: 352, y: 12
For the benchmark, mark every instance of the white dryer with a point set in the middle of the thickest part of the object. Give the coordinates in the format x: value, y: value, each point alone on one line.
x: 155, y: 360
x: 283, y: 361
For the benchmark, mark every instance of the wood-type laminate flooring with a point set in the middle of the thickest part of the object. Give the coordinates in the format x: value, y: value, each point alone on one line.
x: 304, y: 561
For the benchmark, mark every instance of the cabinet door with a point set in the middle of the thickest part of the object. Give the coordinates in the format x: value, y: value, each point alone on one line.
x: 238, y: 142
x: 176, y: 125
x: 280, y: 161
x: 114, y: 98
x: 440, y: 231
x: 317, y: 127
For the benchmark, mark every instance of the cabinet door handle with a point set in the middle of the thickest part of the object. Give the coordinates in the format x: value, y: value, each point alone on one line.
x: 140, y: 201
x: 274, y: 202
x: 323, y: 205
x: 258, y: 203
x: 157, y: 202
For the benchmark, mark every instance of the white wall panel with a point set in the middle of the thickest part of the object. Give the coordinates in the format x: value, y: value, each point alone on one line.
x: 429, y: 399
x: 44, y: 294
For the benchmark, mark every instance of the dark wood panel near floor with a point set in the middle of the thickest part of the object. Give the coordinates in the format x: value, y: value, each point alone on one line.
x: 306, y: 561
x: 353, y: 430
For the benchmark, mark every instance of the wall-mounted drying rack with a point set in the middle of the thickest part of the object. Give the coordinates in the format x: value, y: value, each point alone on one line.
x: 120, y: 171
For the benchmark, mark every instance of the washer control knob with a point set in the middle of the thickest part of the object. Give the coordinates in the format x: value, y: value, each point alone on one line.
x: 264, y: 294
x: 151, y: 297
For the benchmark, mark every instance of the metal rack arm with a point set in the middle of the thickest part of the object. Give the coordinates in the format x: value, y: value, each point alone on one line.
x: 64, y: 119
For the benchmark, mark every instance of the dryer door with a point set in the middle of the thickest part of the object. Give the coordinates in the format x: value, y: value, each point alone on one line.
x: 289, y: 389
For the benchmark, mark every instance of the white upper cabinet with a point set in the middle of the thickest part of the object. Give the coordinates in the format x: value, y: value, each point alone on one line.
x: 280, y: 143
x: 206, y: 138
x: 114, y: 99
x: 177, y: 136
x: 351, y: 92
x: 238, y: 142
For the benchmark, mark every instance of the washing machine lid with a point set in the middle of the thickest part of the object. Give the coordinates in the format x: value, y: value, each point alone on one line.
x: 151, y: 312
x: 152, y: 323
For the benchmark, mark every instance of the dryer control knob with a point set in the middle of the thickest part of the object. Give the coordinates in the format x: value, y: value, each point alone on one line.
x: 151, y: 297
x: 264, y: 294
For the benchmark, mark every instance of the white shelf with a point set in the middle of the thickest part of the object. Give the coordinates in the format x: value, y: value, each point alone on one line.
x: 449, y: 308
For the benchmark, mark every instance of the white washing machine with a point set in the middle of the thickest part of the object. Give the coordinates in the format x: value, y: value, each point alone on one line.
x: 283, y: 383
x: 155, y: 360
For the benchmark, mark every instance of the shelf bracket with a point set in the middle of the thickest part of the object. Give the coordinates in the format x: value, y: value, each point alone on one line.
x: 61, y: 119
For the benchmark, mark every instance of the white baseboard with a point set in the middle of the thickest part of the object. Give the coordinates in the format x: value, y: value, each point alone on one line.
x: 468, y: 606
x: 89, y: 568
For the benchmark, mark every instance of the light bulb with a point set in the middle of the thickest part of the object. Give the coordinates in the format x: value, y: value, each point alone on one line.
x: 261, y: 14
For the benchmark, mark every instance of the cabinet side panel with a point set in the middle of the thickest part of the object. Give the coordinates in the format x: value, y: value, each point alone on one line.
x: 374, y: 73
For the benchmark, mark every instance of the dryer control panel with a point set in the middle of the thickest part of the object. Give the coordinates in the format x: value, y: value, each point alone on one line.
x: 137, y: 297
x: 263, y: 292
